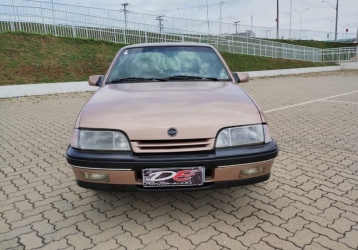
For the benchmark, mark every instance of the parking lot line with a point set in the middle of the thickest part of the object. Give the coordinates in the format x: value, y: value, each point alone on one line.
x: 340, y: 102
x: 304, y: 103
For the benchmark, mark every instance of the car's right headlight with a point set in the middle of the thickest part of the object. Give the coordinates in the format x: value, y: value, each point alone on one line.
x: 99, y: 140
x: 240, y: 136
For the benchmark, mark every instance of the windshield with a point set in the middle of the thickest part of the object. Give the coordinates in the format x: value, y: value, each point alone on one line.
x: 172, y: 63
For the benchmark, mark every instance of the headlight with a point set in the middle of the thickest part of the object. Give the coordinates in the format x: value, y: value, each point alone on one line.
x: 240, y: 136
x: 99, y: 140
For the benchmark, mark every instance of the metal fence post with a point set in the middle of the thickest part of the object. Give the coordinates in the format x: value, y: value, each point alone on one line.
x: 12, y: 25
x: 265, y: 50
x: 54, y: 21
x: 101, y: 33
x: 73, y: 30
x: 19, y: 23
x: 260, y: 46
x: 348, y: 55
x: 124, y: 36
x: 115, y: 35
x: 44, y: 24
x: 86, y: 27
x: 339, y: 55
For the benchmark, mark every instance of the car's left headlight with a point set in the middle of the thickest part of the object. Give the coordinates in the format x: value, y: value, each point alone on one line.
x: 240, y: 136
x: 99, y: 140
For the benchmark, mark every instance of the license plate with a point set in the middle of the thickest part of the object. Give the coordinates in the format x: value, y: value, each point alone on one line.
x: 174, y: 177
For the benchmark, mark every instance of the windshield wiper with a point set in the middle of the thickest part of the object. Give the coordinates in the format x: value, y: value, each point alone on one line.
x: 186, y: 77
x: 170, y: 78
x: 134, y: 79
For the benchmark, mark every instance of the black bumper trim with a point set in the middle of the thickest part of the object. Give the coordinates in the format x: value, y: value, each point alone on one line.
x: 209, y: 159
x: 139, y: 188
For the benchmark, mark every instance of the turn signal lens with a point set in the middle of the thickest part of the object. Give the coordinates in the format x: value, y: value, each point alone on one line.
x: 251, y: 171
x: 95, y: 177
x: 74, y: 138
x: 267, y: 134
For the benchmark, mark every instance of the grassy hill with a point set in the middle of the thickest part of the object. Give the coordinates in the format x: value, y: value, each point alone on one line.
x: 316, y: 44
x: 30, y: 58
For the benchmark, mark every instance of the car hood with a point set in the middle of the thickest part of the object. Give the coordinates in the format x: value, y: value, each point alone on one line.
x: 145, y: 111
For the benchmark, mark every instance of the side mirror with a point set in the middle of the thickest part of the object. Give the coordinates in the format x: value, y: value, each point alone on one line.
x: 95, y: 80
x: 240, y: 77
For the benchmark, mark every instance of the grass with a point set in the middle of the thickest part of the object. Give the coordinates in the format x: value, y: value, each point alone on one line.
x: 31, y: 58
x: 240, y: 45
x: 316, y: 44
x: 237, y: 62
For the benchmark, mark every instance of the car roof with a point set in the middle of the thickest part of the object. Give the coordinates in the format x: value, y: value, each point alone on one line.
x: 168, y: 44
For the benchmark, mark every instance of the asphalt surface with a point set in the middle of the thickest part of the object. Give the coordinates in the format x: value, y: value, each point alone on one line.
x: 310, y: 202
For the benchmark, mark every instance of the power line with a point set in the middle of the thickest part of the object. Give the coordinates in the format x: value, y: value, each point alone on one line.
x: 198, y: 6
x: 179, y: 8
x: 313, y: 5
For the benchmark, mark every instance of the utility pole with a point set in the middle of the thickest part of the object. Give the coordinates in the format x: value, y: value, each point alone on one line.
x: 301, y: 12
x: 236, y: 24
x: 336, y: 34
x: 220, y: 16
x: 336, y: 8
x: 125, y: 12
x: 278, y: 20
x: 290, y: 20
x: 160, y: 19
x: 207, y: 16
x: 357, y: 47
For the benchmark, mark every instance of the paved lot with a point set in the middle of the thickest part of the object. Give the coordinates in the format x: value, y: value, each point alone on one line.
x: 310, y: 202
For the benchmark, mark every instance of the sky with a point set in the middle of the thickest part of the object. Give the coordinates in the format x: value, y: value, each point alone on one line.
x: 263, y: 12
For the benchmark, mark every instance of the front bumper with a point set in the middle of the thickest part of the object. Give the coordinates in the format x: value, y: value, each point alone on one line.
x: 222, y: 167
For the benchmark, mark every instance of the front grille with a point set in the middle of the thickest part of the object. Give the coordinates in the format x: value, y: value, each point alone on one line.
x: 157, y: 146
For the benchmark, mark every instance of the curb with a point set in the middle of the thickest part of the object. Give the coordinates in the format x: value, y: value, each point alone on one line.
x: 281, y: 72
x: 70, y: 87
x: 43, y: 89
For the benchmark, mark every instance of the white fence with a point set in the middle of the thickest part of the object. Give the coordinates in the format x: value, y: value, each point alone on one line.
x: 190, y: 26
x: 340, y: 54
x: 109, y: 25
